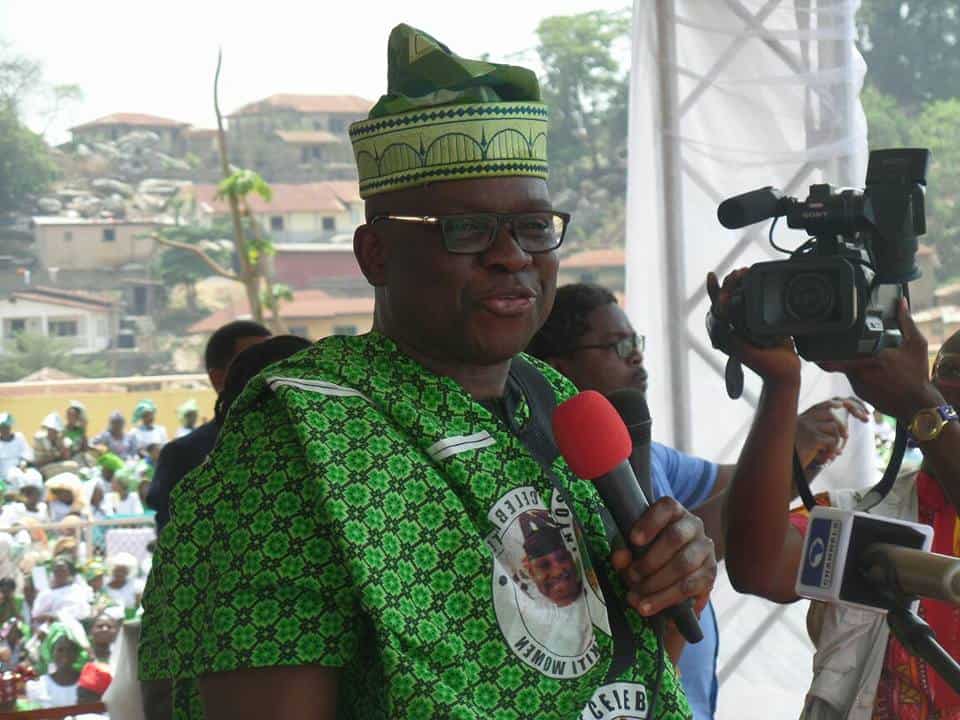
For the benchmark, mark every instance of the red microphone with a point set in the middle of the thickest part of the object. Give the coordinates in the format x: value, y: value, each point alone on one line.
x: 596, y: 445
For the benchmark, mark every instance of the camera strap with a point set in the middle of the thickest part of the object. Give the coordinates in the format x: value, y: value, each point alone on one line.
x: 874, y: 495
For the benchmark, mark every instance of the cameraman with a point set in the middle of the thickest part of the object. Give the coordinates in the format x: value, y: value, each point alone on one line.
x: 589, y: 338
x: 860, y: 672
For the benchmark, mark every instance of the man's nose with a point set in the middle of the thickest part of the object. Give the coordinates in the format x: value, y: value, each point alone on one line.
x: 506, y: 252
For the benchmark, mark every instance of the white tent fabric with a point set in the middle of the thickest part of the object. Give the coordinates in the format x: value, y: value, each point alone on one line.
x: 727, y: 97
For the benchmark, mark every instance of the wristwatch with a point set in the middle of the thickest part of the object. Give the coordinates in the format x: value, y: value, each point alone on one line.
x: 928, y: 423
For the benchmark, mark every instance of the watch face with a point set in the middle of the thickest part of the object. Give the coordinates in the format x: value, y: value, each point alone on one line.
x: 927, y: 423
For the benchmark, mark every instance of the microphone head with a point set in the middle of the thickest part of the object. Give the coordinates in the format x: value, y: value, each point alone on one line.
x: 749, y: 208
x: 590, y: 434
x: 631, y: 404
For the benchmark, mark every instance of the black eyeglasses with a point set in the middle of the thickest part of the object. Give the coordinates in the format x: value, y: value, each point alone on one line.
x: 624, y: 347
x: 535, y: 232
x: 947, y: 367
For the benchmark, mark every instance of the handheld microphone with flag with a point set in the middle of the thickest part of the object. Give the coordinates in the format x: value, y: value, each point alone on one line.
x: 865, y: 561
x: 596, y: 445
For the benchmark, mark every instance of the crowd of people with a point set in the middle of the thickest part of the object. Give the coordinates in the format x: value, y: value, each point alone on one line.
x: 65, y: 589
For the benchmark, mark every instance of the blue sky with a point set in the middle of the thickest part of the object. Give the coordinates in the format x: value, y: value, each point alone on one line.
x: 158, y: 58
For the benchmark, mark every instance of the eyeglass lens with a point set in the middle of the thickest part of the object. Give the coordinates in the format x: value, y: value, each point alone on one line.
x: 535, y: 232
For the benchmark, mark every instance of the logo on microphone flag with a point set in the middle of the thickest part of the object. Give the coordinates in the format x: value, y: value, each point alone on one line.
x: 818, y: 564
x: 545, y: 593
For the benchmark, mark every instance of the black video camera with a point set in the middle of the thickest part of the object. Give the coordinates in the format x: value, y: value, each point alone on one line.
x: 837, y: 294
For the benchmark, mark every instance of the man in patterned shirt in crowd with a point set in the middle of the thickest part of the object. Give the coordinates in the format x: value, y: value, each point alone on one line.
x: 355, y: 545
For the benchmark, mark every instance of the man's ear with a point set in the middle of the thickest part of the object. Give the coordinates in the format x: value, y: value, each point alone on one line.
x: 372, y: 253
x: 217, y: 377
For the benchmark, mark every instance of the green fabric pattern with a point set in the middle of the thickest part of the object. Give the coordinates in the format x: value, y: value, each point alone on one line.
x: 360, y: 512
x: 445, y: 117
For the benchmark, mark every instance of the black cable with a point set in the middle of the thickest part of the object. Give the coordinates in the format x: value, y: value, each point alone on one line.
x: 773, y: 242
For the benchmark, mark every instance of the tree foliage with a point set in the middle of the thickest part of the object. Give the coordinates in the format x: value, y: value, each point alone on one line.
x: 912, y: 99
x: 587, y: 92
x: 34, y: 352
x: 911, y: 48
x: 25, y: 164
x: 176, y: 266
x: 26, y: 167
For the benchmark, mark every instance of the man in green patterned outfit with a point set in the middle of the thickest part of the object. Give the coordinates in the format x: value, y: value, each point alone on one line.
x: 371, y: 537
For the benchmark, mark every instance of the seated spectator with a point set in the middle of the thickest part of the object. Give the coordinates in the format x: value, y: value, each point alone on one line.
x: 145, y: 432
x: 99, y: 508
x: 188, y: 414
x: 31, y: 493
x: 64, y: 496
x: 76, y: 427
x: 125, y: 486
x: 103, y: 638
x: 64, y: 598
x: 121, y: 586
x: 114, y: 439
x: 11, y: 607
x: 62, y: 655
x: 51, y: 450
x: 14, y: 634
x: 14, y: 448
x: 95, y: 573
x: 109, y: 463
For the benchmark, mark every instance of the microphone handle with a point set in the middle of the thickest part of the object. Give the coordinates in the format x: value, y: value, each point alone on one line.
x: 626, y: 502
x: 914, y: 572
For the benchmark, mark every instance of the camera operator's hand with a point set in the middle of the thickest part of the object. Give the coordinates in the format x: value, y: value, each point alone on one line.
x: 821, y: 433
x: 777, y: 364
x: 896, y: 380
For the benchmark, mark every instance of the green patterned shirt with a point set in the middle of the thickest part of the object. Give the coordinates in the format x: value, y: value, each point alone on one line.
x: 363, y: 513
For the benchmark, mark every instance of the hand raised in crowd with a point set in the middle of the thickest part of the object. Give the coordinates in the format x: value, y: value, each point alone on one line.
x: 672, y: 559
x: 778, y: 363
x: 896, y: 380
x: 822, y: 434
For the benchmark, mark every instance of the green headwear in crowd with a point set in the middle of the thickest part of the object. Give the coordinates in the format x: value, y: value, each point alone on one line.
x: 109, y: 461
x: 69, y: 629
x: 190, y: 406
x: 94, y: 569
x: 445, y: 117
x: 6, y: 419
x: 142, y: 407
x: 128, y: 478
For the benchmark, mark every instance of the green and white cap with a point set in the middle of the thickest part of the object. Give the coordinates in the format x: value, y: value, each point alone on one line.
x: 445, y: 117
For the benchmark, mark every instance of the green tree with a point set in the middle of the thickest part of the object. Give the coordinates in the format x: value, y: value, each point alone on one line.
x: 177, y: 266
x: 25, y: 164
x: 26, y: 167
x: 938, y: 127
x: 587, y: 92
x: 911, y: 48
x: 888, y: 126
x: 35, y: 352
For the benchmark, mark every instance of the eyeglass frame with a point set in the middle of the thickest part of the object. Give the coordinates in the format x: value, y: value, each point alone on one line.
x: 936, y: 367
x: 639, y: 345
x: 501, y: 218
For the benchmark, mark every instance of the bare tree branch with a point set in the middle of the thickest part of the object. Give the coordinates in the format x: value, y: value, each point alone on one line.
x: 248, y: 275
x: 186, y: 247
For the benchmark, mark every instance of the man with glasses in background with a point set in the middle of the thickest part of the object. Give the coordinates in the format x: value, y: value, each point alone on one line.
x: 589, y: 338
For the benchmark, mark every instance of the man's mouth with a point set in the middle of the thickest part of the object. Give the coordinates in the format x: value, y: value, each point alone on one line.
x: 509, y: 303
